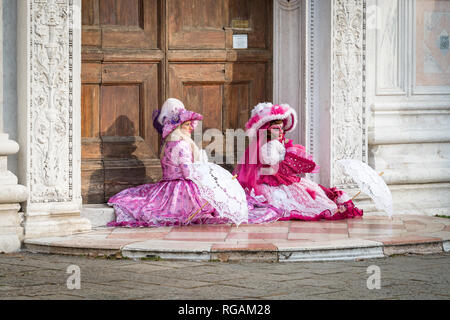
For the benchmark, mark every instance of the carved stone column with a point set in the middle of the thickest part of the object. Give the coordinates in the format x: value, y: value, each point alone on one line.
x: 335, y: 111
x: 348, y: 108
x: 49, y: 63
x: 11, y: 194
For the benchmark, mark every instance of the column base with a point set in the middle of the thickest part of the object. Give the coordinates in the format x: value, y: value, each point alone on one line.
x: 9, y: 243
x: 12, y: 193
x: 11, y: 233
x: 53, y: 226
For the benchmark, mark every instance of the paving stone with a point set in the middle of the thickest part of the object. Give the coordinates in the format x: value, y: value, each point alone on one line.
x: 402, y: 277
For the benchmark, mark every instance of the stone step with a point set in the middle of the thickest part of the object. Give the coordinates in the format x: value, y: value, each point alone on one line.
x: 98, y: 214
x: 332, y: 251
x: 283, y: 241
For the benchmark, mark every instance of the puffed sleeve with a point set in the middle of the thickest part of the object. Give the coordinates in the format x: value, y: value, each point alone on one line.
x: 183, y: 158
x: 272, y: 152
x: 293, y: 164
x: 299, y: 160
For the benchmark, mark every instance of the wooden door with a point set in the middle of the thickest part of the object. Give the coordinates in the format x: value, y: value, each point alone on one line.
x: 137, y: 53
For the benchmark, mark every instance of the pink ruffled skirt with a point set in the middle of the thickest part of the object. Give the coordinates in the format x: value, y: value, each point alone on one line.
x: 172, y: 202
x: 307, y: 200
x: 166, y: 203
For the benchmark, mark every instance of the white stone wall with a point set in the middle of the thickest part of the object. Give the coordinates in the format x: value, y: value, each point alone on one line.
x: 408, y: 92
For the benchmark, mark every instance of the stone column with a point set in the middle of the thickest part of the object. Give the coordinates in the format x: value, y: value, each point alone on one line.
x: 335, y: 115
x: 11, y: 194
x: 288, y: 59
x: 49, y: 64
x: 348, y: 105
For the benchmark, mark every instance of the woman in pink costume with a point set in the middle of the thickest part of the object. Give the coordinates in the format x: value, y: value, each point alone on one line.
x: 175, y: 198
x: 272, y: 169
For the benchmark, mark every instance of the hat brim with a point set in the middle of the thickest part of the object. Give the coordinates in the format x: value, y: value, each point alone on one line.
x: 184, y: 116
x: 289, y: 120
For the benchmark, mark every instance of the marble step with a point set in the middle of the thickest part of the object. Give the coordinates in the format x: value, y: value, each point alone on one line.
x: 98, y: 214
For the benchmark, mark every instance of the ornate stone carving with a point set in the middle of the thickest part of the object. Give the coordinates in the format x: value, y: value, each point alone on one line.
x: 51, y: 105
x: 348, y: 86
x: 310, y: 81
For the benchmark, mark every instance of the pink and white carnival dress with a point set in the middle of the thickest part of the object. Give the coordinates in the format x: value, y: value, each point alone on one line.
x: 273, y: 169
x: 173, y: 199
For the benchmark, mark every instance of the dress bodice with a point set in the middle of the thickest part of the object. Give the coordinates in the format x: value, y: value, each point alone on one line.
x: 176, y: 159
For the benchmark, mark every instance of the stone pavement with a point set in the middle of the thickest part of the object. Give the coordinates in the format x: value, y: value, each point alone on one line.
x: 39, y: 276
x: 367, y: 237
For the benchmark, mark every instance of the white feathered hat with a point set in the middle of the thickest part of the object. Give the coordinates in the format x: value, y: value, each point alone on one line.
x: 266, y: 111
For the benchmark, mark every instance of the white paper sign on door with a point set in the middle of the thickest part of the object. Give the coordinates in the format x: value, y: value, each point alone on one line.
x: 240, y: 41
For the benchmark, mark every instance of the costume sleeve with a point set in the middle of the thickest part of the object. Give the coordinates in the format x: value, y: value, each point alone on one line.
x: 183, y: 158
x: 296, y: 154
x: 294, y: 164
x: 272, y: 152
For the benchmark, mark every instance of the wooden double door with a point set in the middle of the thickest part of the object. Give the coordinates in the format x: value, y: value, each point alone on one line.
x: 137, y: 53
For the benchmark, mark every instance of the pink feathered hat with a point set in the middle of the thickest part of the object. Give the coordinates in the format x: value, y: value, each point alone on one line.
x: 177, y: 118
x: 265, y: 112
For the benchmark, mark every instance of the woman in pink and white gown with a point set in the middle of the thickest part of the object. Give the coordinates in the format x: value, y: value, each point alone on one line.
x: 273, y: 167
x: 173, y: 199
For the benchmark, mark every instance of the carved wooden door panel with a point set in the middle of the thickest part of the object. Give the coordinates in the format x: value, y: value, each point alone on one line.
x: 137, y: 53
x: 204, y: 70
x: 121, y: 86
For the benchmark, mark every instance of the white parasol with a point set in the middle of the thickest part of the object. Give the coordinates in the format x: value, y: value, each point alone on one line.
x: 371, y: 183
x: 219, y: 188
